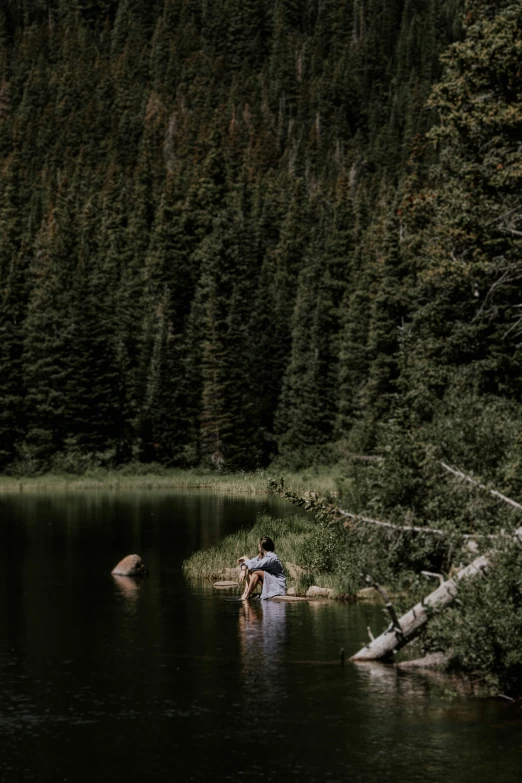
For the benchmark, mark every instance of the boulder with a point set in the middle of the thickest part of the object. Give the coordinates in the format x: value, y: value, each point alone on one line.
x: 287, y: 599
x: 319, y: 592
x: 132, y: 565
x: 230, y: 573
x: 294, y: 571
x: 224, y: 585
x: 371, y: 594
x: 435, y: 660
x: 368, y: 594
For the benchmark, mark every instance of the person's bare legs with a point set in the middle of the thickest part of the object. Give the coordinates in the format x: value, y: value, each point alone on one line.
x: 247, y: 578
x: 247, y: 592
x: 253, y: 580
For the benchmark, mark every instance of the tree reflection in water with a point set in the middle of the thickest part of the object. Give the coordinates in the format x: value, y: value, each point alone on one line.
x: 431, y: 695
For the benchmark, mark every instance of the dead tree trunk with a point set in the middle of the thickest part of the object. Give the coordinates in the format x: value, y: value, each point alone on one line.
x: 410, y: 624
x: 396, y: 636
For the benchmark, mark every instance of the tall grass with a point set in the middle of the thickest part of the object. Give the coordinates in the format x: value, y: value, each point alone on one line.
x: 294, y: 537
x: 145, y: 477
x: 288, y: 534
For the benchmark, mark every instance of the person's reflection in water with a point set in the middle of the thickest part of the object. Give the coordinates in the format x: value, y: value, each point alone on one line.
x: 262, y: 633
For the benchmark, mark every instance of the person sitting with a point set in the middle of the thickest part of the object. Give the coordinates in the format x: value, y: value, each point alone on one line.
x: 265, y: 568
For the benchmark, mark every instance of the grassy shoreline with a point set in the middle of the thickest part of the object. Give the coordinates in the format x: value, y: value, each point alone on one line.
x: 320, y: 479
x: 295, y: 537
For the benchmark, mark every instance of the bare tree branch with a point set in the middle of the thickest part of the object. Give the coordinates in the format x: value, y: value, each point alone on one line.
x: 476, y: 483
x: 503, y: 216
x: 516, y: 323
x: 405, y: 528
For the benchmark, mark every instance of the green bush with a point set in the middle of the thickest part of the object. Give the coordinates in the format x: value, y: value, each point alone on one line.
x: 484, y: 628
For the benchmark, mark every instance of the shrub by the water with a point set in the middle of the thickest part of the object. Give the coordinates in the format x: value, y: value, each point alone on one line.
x: 483, y: 629
x: 404, y: 482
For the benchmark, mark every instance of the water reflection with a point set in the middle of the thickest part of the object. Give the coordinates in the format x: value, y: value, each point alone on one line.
x: 163, y: 678
x: 262, y: 635
x: 430, y: 698
x: 129, y: 587
x: 390, y: 682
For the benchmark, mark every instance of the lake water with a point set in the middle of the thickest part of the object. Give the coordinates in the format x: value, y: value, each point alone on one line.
x: 111, y: 680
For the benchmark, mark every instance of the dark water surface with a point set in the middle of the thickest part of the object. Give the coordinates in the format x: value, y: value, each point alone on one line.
x: 108, y: 680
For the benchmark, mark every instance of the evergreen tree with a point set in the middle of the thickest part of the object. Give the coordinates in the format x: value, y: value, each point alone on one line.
x: 48, y: 346
x: 307, y: 412
x: 167, y: 420
x: 13, y: 304
x: 465, y: 317
x: 225, y: 232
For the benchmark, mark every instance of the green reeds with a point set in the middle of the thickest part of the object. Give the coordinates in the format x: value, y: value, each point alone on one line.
x: 288, y: 534
x: 154, y: 477
x: 293, y: 537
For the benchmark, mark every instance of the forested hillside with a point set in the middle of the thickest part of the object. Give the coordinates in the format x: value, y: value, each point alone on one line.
x: 241, y: 229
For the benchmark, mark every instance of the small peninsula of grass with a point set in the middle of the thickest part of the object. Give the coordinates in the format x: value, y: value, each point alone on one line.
x: 296, y: 538
x: 134, y: 477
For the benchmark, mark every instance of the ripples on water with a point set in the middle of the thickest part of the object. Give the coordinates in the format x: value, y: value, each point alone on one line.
x: 108, y: 678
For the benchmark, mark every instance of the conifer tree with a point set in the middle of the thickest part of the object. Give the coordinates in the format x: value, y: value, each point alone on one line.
x: 222, y: 223
x: 48, y: 346
x: 168, y: 416
x: 306, y: 414
x: 466, y: 316
x: 13, y: 304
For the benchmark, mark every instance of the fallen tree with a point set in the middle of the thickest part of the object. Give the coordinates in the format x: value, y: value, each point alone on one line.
x: 328, y: 511
x: 404, y: 629
x: 398, y: 634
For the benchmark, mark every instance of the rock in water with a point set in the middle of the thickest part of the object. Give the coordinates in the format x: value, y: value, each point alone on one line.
x: 436, y: 660
x: 368, y: 594
x: 319, y: 592
x: 132, y: 565
x: 294, y: 571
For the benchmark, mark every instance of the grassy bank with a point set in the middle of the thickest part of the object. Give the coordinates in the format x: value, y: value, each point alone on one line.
x: 138, y: 477
x: 296, y: 539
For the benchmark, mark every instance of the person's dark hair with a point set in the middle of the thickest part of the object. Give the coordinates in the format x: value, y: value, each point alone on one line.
x: 267, y: 544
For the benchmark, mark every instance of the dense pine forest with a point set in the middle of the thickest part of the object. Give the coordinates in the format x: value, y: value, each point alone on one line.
x: 241, y: 230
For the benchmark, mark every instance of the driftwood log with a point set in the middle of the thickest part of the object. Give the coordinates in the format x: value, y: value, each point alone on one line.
x: 403, y: 630
x: 398, y: 634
